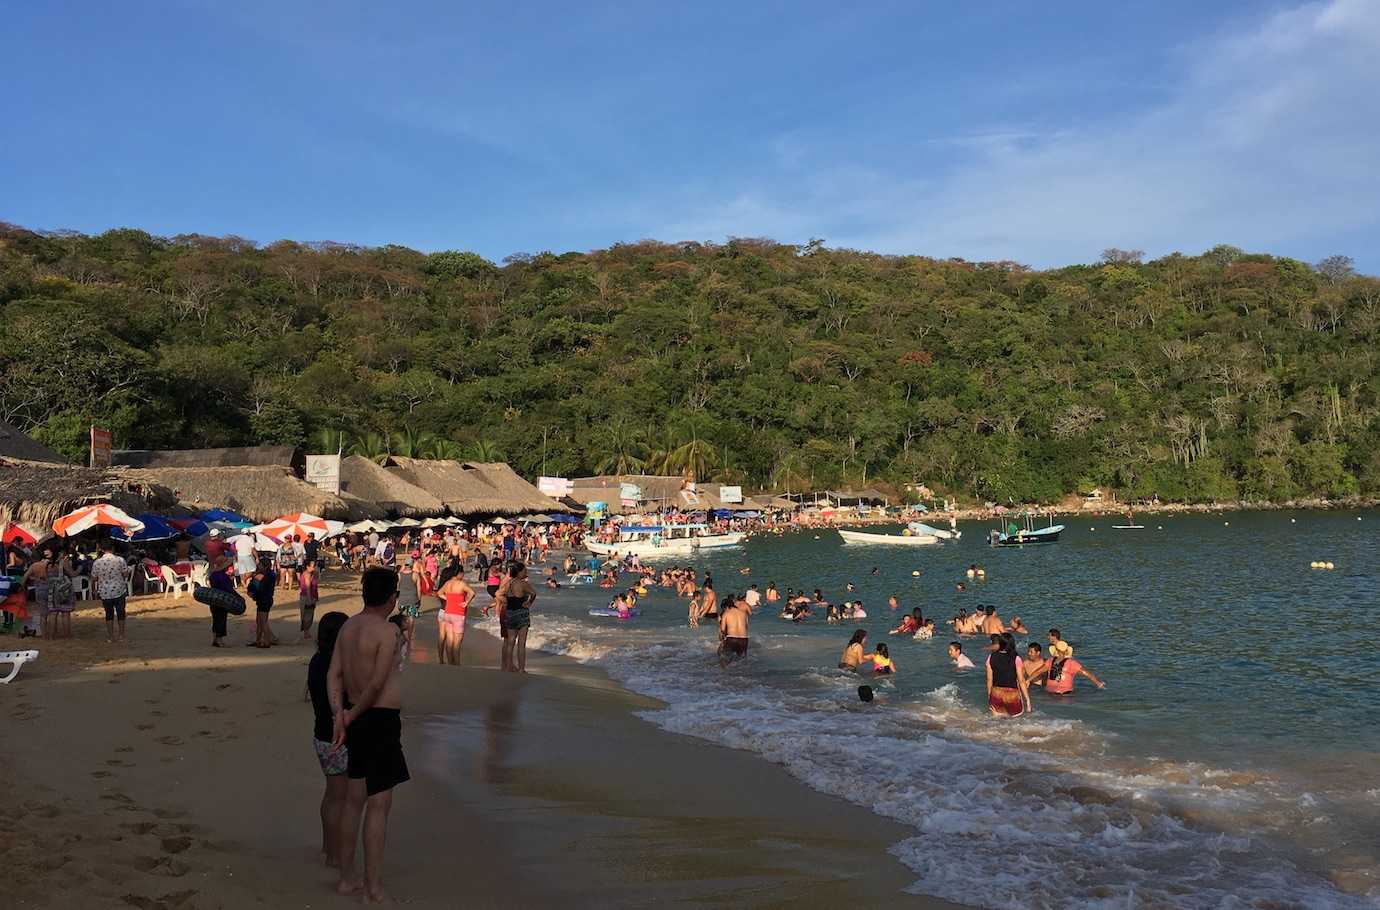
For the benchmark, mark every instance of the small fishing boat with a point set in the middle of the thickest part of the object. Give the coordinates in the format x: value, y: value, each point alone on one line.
x: 906, y: 540
x: 1018, y: 534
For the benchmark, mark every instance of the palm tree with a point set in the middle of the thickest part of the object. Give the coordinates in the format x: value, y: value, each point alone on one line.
x: 623, y: 449
x: 441, y: 449
x: 693, y: 458
x: 408, y: 443
x: 328, y: 441
x: 790, y: 471
x: 373, y: 446
x: 483, y: 450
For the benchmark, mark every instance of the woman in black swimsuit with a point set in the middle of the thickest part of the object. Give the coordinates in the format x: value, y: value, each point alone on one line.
x: 515, y: 597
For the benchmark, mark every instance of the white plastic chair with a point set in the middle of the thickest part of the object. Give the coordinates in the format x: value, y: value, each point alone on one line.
x: 201, y: 574
x: 18, y: 659
x: 81, y: 587
x: 174, y: 582
x: 146, y: 578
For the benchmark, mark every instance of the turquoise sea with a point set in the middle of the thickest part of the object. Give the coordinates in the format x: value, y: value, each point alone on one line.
x: 1230, y: 762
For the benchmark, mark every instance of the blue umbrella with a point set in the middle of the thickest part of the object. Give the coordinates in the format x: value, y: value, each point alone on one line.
x: 226, y: 515
x: 565, y: 518
x: 154, y: 528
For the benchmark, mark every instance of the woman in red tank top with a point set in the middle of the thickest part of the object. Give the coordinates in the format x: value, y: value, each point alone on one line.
x: 455, y: 601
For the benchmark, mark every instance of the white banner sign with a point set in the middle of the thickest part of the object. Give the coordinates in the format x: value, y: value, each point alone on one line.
x: 555, y: 486
x: 323, y: 472
x: 629, y: 491
x: 730, y: 494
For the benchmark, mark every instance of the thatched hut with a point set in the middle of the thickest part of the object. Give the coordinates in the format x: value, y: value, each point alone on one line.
x: 15, y: 444
x: 258, y: 493
x: 371, y: 482
x: 659, y: 492
x: 242, y: 457
x: 474, y: 488
x: 38, y: 494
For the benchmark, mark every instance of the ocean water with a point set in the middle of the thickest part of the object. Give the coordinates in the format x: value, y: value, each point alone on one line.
x: 1230, y: 762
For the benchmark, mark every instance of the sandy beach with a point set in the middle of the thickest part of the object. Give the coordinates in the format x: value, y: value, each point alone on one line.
x: 166, y: 775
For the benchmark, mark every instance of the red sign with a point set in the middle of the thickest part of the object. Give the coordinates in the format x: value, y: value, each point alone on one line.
x: 100, y: 448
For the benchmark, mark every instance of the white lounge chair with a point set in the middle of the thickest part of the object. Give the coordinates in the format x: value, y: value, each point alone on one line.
x: 175, y: 583
x: 18, y: 659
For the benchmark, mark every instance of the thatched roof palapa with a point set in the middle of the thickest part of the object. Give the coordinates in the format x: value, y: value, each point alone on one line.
x: 15, y: 444
x: 38, y: 494
x: 388, y: 490
x: 244, y: 457
x: 474, y: 488
x: 659, y: 492
x: 258, y: 493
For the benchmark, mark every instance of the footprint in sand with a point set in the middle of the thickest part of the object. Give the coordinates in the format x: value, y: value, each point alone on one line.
x: 162, y: 865
x: 231, y: 686
x: 153, y: 701
x: 207, y: 709
x: 173, y: 900
x: 140, y: 827
x: 116, y: 763
x: 100, y: 774
x: 168, y: 813
x: 144, y: 726
x: 125, y: 749
x: 170, y: 740
x: 176, y: 844
x: 158, y: 714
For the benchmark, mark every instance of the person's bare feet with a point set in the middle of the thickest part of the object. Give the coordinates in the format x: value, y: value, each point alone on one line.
x: 377, y: 896
x: 347, y: 888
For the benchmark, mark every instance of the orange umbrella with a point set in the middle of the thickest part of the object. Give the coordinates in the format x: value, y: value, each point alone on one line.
x: 88, y: 517
x: 299, y: 525
x: 20, y: 533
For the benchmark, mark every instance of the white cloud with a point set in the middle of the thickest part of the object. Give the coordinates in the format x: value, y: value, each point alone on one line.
x: 1269, y: 140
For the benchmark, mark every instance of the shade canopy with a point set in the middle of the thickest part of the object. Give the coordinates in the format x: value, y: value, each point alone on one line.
x: 299, y: 525
x: 17, y: 532
x: 565, y: 518
x: 154, y: 528
x: 225, y: 515
x: 88, y: 517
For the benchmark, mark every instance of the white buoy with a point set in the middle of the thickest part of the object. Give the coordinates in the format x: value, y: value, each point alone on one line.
x: 1226, y: 524
x: 1331, y: 565
x: 1314, y: 565
x: 916, y: 573
x: 1293, y: 521
x: 1159, y: 527
x: 1092, y: 529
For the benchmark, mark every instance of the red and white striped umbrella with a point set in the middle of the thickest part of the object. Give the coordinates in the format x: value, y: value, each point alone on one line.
x: 299, y: 525
x: 88, y: 517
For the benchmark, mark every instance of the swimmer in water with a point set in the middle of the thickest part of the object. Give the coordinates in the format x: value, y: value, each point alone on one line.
x: 1035, y: 664
x: 960, y: 660
x: 854, y: 653
x: 893, y: 603
x: 1061, y: 669
x: 882, y: 664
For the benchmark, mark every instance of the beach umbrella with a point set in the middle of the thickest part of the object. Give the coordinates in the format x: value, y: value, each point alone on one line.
x: 536, y: 520
x: 17, y: 532
x: 407, y: 523
x: 226, y: 515
x: 154, y: 528
x: 565, y: 518
x: 501, y: 521
x: 299, y: 525
x: 88, y: 517
x: 364, y: 527
x: 435, y: 523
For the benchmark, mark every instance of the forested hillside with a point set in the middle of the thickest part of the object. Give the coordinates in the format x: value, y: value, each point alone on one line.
x: 1216, y: 376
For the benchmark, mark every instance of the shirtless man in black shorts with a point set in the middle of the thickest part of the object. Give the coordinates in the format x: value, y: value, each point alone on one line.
x: 366, y: 697
x: 733, y: 631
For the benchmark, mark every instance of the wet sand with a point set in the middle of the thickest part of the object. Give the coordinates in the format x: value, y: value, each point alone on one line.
x: 167, y: 775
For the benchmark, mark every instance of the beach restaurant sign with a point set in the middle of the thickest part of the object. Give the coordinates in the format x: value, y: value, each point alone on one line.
x: 555, y: 486
x: 323, y: 472
x: 730, y: 494
x: 100, y: 448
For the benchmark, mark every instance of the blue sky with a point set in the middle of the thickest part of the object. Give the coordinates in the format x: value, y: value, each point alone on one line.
x: 992, y: 130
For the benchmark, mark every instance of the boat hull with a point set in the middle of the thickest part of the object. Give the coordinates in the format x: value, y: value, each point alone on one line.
x: 915, y: 540
x: 1025, y: 538
x: 646, y: 549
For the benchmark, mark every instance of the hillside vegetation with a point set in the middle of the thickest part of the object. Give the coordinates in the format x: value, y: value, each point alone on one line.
x: 1217, y: 376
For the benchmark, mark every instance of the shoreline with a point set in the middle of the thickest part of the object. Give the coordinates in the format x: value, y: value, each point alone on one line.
x: 169, y: 776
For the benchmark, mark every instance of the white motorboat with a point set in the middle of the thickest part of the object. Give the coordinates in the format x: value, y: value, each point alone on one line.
x: 905, y: 540
x: 919, y: 527
x: 646, y: 541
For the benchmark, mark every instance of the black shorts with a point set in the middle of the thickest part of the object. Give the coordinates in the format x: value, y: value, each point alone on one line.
x: 374, y: 741
x: 114, y: 607
x: 735, y: 646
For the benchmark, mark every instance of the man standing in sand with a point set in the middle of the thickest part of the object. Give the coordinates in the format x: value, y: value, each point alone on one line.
x: 733, y: 630
x: 366, y: 698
